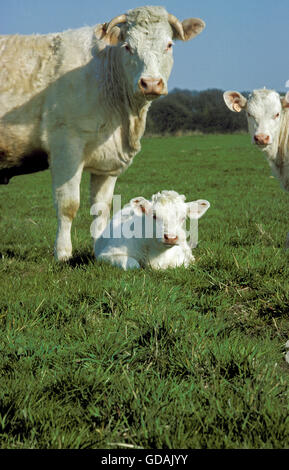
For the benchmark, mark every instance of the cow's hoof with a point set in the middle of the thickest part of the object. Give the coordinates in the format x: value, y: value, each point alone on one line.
x: 63, y: 256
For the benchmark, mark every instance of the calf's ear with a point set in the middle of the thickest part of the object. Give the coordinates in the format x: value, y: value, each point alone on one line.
x: 285, y: 100
x: 140, y: 205
x: 196, y: 209
x: 235, y: 101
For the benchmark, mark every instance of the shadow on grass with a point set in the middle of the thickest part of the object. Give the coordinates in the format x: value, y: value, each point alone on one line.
x: 81, y: 259
x: 10, y: 254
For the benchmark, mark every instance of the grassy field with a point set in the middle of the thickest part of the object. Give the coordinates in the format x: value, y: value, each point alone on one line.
x: 94, y: 357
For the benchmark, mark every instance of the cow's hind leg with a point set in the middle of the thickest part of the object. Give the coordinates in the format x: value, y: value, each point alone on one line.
x: 66, y: 170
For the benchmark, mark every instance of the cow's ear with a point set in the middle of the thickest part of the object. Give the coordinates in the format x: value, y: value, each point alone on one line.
x: 235, y: 101
x: 192, y: 27
x: 196, y: 209
x: 186, y: 30
x: 140, y: 205
x: 110, y: 39
x: 285, y: 100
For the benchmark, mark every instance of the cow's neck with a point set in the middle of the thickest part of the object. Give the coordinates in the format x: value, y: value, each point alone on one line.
x: 132, y: 111
x: 137, y: 123
x: 278, y: 152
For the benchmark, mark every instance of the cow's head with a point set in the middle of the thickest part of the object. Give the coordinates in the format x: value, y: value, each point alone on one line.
x: 166, y: 214
x: 264, y: 109
x: 144, y: 38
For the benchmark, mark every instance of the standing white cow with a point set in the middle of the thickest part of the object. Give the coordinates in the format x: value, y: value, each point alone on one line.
x: 78, y: 100
x: 150, y: 233
x: 268, y: 122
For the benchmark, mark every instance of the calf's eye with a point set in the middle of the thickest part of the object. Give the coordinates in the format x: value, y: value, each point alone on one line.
x: 276, y: 115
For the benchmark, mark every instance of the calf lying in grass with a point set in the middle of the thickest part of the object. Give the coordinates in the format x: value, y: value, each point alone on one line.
x: 150, y: 233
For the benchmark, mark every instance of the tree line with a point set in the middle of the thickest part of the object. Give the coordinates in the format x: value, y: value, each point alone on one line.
x: 189, y: 111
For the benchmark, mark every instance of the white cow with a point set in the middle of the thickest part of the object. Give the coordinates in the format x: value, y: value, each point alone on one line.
x: 150, y: 233
x: 268, y: 122
x: 78, y: 100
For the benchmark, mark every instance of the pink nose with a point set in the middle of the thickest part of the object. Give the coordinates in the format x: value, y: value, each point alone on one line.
x: 170, y: 240
x: 151, y: 86
x: 261, y: 139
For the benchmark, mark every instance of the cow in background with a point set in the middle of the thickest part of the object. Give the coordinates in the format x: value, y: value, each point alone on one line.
x: 268, y: 122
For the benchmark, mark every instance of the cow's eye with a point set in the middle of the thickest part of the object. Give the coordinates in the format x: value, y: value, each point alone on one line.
x: 127, y: 48
x: 276, y: 116
x: 169, y: 46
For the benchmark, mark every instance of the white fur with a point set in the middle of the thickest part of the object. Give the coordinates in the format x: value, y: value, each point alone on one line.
x: 268, y: 115
x: 75, y: 96
x: 136, y: 236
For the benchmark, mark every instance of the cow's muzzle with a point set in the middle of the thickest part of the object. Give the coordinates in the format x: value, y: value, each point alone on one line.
x: 152, y: 86
x: 262, y: 139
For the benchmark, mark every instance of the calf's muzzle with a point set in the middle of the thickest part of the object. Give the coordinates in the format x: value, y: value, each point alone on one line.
x: 168, y: 240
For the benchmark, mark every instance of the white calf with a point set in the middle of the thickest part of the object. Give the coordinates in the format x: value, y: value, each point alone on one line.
x: 150, y: 233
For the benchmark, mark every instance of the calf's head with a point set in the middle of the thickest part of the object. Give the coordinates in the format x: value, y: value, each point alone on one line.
x: 144, y: 38
x: 165, y: 216
x: 264, y: 109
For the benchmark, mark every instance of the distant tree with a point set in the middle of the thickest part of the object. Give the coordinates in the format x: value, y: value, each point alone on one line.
x: 184, y: 110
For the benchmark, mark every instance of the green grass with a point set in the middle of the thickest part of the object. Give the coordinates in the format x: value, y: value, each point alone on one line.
x: 94, y: 357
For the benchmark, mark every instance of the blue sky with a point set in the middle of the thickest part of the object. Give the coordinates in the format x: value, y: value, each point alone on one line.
x: 244, y: 46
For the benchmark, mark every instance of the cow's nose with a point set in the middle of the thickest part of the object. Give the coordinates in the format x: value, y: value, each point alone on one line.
x: 261, y: 139
x: 151, y: 86
x: 170, y: 240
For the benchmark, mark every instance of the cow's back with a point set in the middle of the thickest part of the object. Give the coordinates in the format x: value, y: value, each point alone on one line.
x: 28, y: 64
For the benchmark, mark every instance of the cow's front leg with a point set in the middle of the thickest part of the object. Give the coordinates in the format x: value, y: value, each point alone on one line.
x: 101, y: 193
x: 66, y: 170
